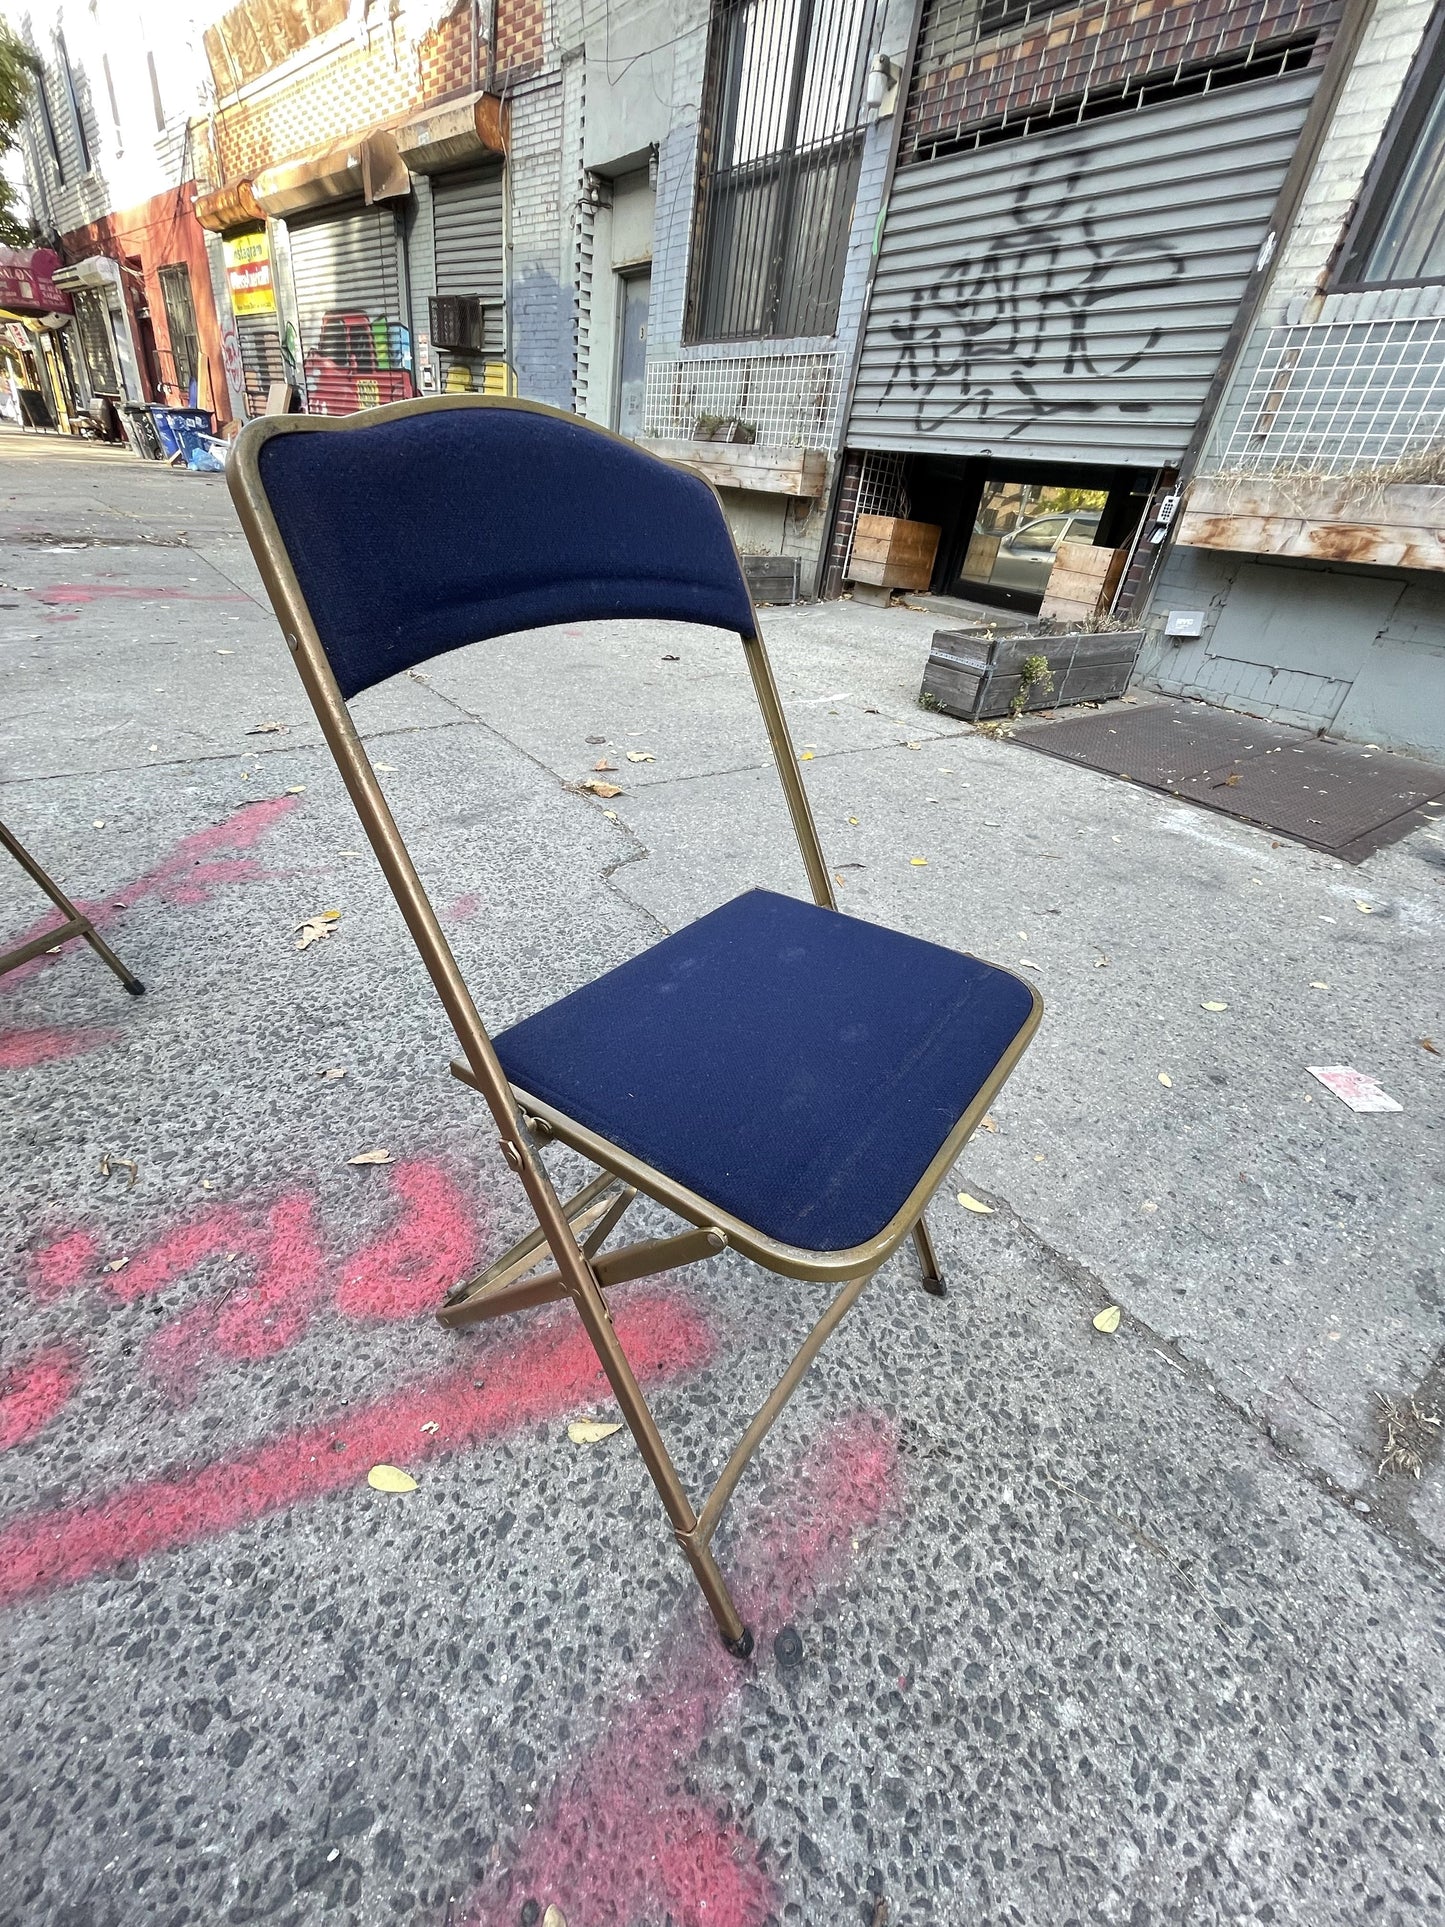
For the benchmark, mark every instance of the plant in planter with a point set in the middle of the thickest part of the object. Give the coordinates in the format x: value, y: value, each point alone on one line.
x: 1034, y: 672
x: 983, y: 672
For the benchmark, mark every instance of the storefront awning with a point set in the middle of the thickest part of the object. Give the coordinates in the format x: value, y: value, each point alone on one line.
x: 369, y: 165
x: 474, y: 129
x: 28, y: 284
x: 232, y: 206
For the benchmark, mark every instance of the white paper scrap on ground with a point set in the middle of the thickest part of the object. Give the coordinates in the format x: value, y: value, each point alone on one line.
x: 1352, y: 1087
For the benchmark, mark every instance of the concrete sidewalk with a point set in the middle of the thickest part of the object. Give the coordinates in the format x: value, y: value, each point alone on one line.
x: 1092, y: 1628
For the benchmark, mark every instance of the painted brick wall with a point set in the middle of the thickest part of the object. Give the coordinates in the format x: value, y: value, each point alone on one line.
x: 961, y: 80
x: 540, y: 295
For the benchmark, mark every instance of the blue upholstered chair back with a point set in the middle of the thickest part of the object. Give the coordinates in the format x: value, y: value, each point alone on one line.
x: 415, y: 533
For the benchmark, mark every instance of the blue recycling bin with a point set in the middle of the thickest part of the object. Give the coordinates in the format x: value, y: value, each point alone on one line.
x: 174, y: 425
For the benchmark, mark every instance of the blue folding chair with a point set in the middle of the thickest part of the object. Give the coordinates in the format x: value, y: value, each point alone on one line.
x: 792, y: 1083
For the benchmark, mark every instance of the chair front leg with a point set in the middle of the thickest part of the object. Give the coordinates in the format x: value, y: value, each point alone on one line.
x: 933, y: 1282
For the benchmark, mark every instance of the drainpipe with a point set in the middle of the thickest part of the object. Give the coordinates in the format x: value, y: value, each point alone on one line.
x: 900, y: 114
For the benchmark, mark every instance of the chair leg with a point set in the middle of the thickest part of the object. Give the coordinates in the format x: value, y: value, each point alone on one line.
x: 933, y: 1282
x: 75, y: 924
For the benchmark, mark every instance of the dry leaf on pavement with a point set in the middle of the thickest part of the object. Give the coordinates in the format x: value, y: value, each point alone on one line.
x: 1315, y: 984
x: 599, y: 788
x: 332, y: 1072
x: 590, y: 1431
x: 554, y: 1916
x: 1365, y: 909
x: 314, y: 928
x: 1429, y: 1044
x: 110, y: 1164
x: 1166, y: 1080
x: 971, y: 1203
x: 990, y: 1123
x: 267, y: 729
x: 371, y: 1157
x: 640, y: 756
x: 1107, y: 1320
x: 1214, y: 1006
x: 390, y: 1478
x: 602, y: 763
x: 918, y: 862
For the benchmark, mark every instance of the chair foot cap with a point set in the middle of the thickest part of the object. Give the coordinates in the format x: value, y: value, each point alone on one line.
x: 136, y: 987
x: 935, y: 1287
x: 742, y: 1647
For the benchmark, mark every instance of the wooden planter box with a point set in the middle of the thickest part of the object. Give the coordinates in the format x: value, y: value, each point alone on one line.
x: 771, y: 578
x: 889, y: 553
x: 974, y: 675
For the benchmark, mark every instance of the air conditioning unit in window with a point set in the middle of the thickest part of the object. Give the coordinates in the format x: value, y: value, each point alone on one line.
x: 456, y: 323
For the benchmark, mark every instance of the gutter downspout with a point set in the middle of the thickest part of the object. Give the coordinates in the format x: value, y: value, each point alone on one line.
x: 900, y: 114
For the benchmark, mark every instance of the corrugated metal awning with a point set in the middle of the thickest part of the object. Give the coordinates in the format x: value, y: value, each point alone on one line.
x: 234, y: 205
x: 368, y: 166
x: 474, y: 129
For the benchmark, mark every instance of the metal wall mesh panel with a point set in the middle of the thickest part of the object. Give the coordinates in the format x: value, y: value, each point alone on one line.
x: 1333, y: 398
x: 790, y: 401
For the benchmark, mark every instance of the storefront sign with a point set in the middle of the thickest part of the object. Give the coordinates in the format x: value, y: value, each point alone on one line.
x: 248, y: 274
x: 27, y: 281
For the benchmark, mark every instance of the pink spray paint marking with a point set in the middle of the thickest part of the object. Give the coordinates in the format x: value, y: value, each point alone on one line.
x: 24, y: 1050
x: 67, y: 592
x: 465, y: 908
x: 194, y: 870
x: 551, y: 1373
x: 70, y: 1260
x: 411, y: 1268
x: 32, y: 1394
x: 242, y: 1325
x: 405, y: 1272
x: 619, y: 1841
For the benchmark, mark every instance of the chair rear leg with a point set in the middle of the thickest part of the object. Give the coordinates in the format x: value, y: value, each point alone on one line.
x: 933, y: 1282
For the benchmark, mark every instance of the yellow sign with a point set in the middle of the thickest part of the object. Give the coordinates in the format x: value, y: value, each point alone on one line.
x: 248, y: 274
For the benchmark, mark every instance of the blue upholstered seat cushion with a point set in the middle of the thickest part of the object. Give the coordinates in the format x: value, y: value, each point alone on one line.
x: 796, y: 1067
x: 412, y: 534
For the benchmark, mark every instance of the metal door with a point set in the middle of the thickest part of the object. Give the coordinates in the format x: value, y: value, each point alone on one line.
x: 355, y: 337
x: 92, y: 322
x: 467, y: 212
x: 635, y: 295
x: 1067, y: 295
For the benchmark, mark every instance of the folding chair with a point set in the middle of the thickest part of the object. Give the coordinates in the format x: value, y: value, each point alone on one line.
x: 792, y: 1083
x: 76, y: 924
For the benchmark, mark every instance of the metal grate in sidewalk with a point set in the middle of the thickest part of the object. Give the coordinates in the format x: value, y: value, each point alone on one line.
x: 1338, y: 797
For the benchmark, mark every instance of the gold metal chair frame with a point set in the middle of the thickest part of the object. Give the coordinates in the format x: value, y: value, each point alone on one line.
x: 574, y: 1231
x: 76, y: 924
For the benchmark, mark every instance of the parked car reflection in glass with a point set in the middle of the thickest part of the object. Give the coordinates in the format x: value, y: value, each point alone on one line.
x: 1026, y: 558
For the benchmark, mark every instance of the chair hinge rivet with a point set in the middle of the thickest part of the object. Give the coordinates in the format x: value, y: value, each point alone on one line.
x: 512, y: 1153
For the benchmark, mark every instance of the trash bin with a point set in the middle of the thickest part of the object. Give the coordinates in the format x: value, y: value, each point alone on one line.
x: 141, y: 431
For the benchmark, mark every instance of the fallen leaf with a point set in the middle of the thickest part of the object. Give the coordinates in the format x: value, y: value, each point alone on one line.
x: 1149, y: 1205
x: 1429, y: 1044
x: 913, y: 745
x: 1166, y: 1080
x: 837, y: 878
x: 1315, y: 984
x: 332, y: 1072
x: 971, y: 1203
x: 597, y: 739
x: 990, y: 1123
x: 1230, y: 781
x: 299, y: 790
x: 225, y: 652
x: 640, y: 756
x: 110, y: 1164
x: 602, y: 763
x: 314, y: 928
x: 99, y: 823
x: 389, y: 768
x: 371, y: 1157
x: 1108, y: 1319
x: 806, y: 756
x: 390, y: 1478
x: 853, y: 819
x: 1101, y: 963
x: 1028, y: 963
x: 918, y: 862
x: 1365, y: 909
x: 1214, y: 1006
x: 599, y: 788
x: 267, y: 729
x: 117, y: 1264
x: 431, y: 1426
x: 554, y: 1916
x: 590, y: 1431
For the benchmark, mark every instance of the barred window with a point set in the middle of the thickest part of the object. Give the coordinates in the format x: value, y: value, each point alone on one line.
x: 782, y: 137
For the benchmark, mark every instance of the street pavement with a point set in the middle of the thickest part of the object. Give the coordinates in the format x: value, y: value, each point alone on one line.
x: 1055, y: 1626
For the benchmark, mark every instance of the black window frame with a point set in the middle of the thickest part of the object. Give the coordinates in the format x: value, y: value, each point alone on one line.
x: 1382, y: 182
x: 179, y: 302
x: 72, y: 102
x: 786, y: 186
